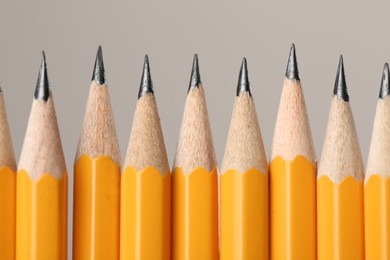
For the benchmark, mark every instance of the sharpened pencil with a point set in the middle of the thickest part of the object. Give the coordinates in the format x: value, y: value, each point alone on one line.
x: 377, y: 182
x: 244, y: 182
x: 195, y: 181
x: 146, y: 183
x: 42, y: 183
x: 340, y: 182
x: 292, y: 174
x: 97, y: 176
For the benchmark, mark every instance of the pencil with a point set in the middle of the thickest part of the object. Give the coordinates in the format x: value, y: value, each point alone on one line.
x: 146, y: 182
x: 97, y: 176
x: 244, y: 182
x: 195, y: 181
x: 377, y: 184
x: 42, y: 184
x: 292, y: 175
x: 7, y: 187
x: 340, y: 182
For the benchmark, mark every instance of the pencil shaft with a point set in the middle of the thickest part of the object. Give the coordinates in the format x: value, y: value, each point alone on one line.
x: 96, y: 209
x: 7, y: 188
x: 293, y: 208
x: 195, y: 215
x: 340, y: 219
x: 377, y: 217
x: 41, y: 217
x: 244, y: 215
x: 7, y: 213
x: 145, y: 214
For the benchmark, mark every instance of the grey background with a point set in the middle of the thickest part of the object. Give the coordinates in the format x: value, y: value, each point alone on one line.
x: 170, y: 31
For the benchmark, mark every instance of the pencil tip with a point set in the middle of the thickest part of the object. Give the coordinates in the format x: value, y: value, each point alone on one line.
x: 385, y: 88
x: 42, y: 90
x: 195, y: 75
x: 340, y: 85
x: 292, y: 65
x: 146, y: 85
x: 98, y: 71
x: 243, y: 80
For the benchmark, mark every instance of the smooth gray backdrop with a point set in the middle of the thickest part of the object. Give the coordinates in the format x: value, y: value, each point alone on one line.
x: 171, y: 31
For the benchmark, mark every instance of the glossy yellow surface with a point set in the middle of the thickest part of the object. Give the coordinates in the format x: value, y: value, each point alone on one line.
x: 340, y: 219
x: 41, y: 217
x: 293, y: 209
x: 195, y: 215
x: 244, y: 215
x: 377, y: 217
x: 7, y: 213
x: 145, y: 214
x: 96, y: 209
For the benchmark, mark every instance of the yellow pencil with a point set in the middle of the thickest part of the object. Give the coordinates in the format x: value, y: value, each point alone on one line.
x: 7, y: 187
x: 195, y: 181
x: 244, y: 182
x: 340, y: 182
x: 377, y: 182
x: 42, y: 184
x: 146, y: 183
x: 292, y: 175
x: 97, y: 177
